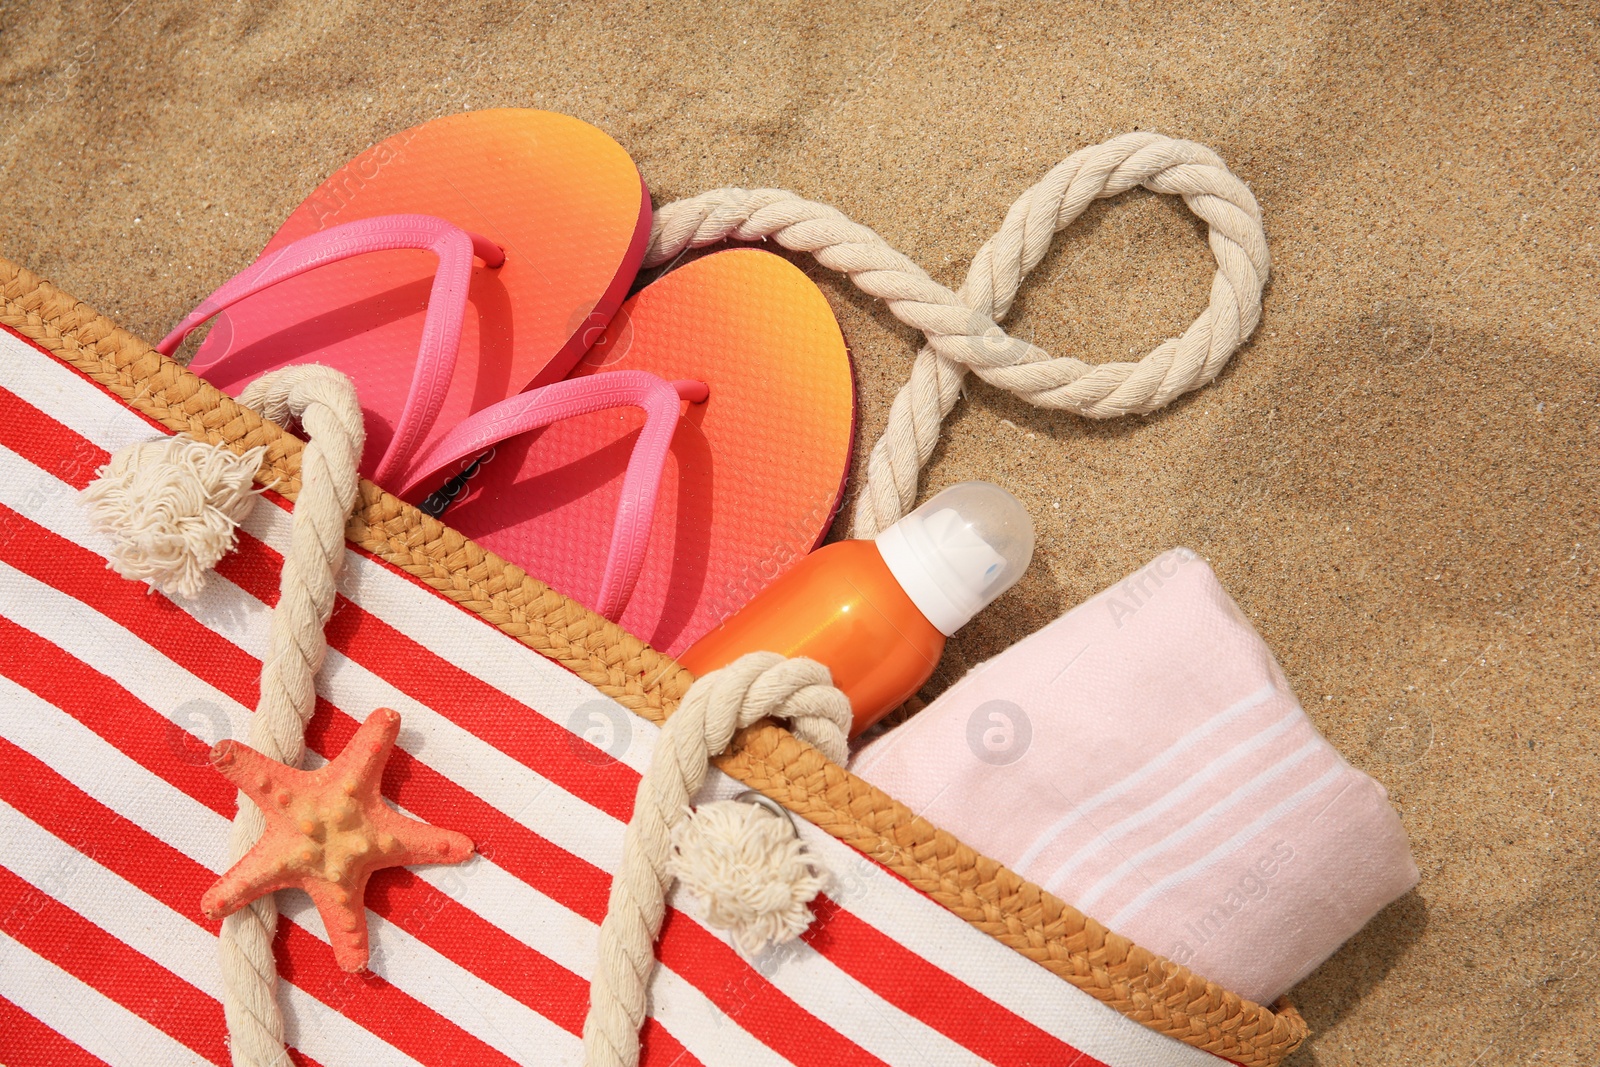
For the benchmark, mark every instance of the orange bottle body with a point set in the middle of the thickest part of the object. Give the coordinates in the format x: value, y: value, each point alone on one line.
x: 842, y: 607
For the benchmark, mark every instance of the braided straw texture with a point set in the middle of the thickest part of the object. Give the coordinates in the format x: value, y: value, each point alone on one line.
x: 1143, y: 986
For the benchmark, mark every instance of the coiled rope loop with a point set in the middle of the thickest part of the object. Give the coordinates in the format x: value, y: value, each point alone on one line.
x: 961, y: 327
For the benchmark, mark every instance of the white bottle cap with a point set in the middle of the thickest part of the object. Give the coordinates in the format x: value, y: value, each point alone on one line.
x: 959, y: 551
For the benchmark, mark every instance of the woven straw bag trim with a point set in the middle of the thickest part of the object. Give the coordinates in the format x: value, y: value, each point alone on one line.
x: 1152, y: 990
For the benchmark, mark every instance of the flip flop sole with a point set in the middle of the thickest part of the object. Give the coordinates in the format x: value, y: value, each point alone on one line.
x: 754, y: 475
x: 561, y: 198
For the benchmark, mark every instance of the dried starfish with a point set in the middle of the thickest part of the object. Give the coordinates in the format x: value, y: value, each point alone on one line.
x: 327, y: 831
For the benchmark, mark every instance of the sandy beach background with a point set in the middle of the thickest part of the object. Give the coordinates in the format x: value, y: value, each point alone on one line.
x: 1397, y: 478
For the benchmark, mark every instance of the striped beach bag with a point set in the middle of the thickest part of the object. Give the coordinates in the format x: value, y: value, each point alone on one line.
x: 527, y: 723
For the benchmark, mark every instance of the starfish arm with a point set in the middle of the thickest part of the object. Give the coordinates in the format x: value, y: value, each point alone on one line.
x: 263, y: 780
x: 404, y: 841
x: 257, y: 873
x: 364, y: 756
x: 344, y: 917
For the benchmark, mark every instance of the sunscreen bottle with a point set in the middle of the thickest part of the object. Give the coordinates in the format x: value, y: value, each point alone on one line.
x: 877, y: 613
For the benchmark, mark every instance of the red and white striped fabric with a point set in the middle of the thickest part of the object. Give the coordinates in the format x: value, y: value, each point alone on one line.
x: 112, y: 825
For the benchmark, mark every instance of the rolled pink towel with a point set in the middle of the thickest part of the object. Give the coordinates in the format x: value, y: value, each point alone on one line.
x: 1143, y: 758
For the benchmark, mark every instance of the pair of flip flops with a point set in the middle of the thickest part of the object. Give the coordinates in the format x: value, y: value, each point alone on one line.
x: 659, y: 458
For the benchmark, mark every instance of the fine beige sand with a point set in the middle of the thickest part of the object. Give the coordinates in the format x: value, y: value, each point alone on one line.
x: 1396, y: 478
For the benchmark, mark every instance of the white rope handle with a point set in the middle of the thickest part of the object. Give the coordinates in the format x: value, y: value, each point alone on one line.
x: 962, y: 335
x: 325, y: 403
x: 961, y: 328
x: 753, y: 687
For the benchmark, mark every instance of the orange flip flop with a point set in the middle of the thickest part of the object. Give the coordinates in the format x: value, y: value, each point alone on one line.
x: 730, y: 377
x: 555, y: 213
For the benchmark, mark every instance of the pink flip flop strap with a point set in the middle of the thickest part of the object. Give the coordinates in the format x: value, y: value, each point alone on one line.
x: 630, y: 531
x: 441, y: 328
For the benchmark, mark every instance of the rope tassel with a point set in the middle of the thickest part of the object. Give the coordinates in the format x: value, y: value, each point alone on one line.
x: 751, y: 872
x: 172, y: 508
